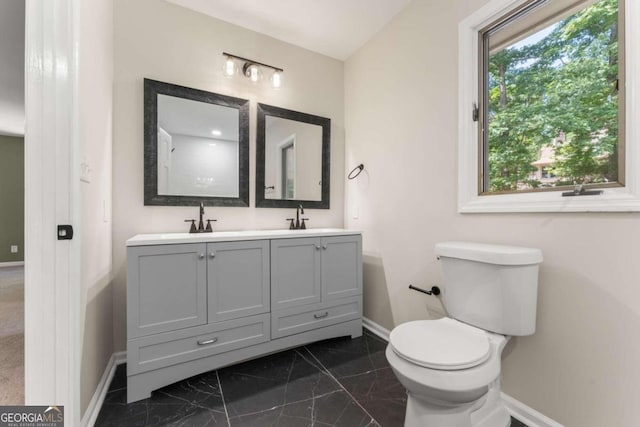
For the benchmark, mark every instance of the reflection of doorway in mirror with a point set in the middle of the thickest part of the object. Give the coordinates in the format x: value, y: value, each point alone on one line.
x: 288, y: 167
x: 293, y: 160
x: 164, y: 160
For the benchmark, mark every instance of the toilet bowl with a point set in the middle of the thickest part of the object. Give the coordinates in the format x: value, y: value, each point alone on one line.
x: 451, y: 366
x: 451, y: 373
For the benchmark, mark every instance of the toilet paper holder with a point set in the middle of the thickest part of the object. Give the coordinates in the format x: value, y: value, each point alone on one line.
x: 433, y: 291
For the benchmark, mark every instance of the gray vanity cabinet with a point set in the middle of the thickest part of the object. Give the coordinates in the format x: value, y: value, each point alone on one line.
x: 170, y: 289
x: 210, y: 301
x: 315, y: 282
x: 238, y: 277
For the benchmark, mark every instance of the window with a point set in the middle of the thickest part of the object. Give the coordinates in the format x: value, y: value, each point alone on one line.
x: 542, y: 106
x: 549, y: 96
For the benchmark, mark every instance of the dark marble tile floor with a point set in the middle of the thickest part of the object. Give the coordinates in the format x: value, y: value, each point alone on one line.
x: 338, y: 382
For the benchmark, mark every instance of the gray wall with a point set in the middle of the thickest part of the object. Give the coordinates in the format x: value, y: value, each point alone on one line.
x: 11, y: 197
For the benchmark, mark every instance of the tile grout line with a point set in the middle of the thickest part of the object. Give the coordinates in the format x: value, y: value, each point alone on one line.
x: 224, y: 403
x: 340, y: 384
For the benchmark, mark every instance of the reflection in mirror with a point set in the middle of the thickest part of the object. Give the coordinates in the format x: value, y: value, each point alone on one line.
x: 292, y: 159
x: 196, y: 147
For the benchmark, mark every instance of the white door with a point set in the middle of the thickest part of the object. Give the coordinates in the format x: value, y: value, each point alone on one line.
x: 52, y: 266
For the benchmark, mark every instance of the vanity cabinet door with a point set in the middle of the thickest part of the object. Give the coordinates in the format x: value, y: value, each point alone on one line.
x: 166, y: 288
x: 341, y: 267
x: 295, y: 272
x: 238, y: 279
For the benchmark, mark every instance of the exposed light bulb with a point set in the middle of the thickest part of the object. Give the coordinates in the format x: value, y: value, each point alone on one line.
x: 229, y: 67
x: 276, y: 79
x: 254, y: 73
x: 216, y: 132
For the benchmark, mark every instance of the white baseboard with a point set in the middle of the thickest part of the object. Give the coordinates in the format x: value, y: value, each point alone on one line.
x: 375, y: 328
x: 91, y: 414
x: 517, y: 409
x: 526, y: 414
x: 12, y: 264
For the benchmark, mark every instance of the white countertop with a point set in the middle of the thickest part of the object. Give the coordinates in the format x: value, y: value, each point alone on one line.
x: 227, y: 236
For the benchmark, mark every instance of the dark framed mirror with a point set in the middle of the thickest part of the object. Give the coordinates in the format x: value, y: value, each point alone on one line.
x: 292, y: 159
x: 196, y: 147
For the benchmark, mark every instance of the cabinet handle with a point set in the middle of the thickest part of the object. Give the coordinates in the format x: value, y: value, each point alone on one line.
x: 324, y: 246
x: 206, y: 342
x: 201, y: 256
x: 212, y: 255
x: 317, y: 247
x: 320, y: 316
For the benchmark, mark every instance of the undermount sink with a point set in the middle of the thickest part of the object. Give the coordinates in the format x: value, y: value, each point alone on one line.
x: 222, y: 236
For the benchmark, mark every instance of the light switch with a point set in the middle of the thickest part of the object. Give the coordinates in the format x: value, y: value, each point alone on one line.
x: 85, y: 170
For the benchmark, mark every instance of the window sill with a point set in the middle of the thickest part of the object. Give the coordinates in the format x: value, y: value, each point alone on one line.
x: 612, y: 200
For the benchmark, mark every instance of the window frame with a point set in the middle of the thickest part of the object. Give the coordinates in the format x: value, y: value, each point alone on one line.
x: 470, y: 197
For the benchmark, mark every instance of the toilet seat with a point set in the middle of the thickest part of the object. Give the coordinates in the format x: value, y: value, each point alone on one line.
x: 443, y: 344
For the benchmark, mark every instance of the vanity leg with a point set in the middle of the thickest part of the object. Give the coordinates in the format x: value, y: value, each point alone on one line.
x: 136, y: 390
x: 356, y: 329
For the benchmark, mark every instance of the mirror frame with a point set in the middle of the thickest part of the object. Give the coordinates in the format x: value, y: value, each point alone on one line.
x: 269, y: 110
x: 153, y: 88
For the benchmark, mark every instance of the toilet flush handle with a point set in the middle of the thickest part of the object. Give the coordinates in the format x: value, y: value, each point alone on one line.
x: 434, y: 290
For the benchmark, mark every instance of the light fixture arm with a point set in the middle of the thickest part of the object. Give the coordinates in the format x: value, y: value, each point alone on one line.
x: 251, y: 61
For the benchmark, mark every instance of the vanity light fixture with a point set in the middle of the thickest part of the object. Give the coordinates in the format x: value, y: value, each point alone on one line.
x: 251, y: 69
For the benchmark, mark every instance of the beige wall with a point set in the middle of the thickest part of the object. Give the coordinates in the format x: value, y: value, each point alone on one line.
x: 95, y: 109
x: 11, y: 198
x: 165, y: 42
x: 580, y: 368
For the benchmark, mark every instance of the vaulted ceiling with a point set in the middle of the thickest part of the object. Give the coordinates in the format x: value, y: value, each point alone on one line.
x: 336, y: 28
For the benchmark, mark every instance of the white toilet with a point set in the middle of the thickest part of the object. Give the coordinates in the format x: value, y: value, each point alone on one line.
x: 451, y: 366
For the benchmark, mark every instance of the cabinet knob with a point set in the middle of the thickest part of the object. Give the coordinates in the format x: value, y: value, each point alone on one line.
x: 212, y: 255
x: 324, y: 247
x: 201, y: 256
x: 317, y: 247
x: 207, y: 342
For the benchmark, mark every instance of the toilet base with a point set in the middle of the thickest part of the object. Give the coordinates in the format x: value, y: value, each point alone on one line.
x: 489, y: 411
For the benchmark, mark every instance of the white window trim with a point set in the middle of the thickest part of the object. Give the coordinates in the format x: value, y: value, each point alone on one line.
x: 625, y: 199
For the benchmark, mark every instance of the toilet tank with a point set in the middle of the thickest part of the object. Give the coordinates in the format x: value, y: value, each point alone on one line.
x: 492, y: 287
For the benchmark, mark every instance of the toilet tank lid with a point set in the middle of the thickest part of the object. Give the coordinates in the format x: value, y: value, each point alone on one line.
x: 492, y: 254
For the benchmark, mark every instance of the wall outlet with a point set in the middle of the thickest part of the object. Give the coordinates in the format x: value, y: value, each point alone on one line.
x: 14, y: 249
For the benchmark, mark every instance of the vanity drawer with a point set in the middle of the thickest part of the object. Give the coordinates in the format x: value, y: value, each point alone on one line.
x: 301, y: 319
x: 158, y: 351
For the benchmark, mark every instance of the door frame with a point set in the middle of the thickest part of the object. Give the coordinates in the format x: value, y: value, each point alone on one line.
x: 52, y: 267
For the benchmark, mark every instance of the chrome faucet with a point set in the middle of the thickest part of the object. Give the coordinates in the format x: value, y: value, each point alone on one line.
x: 299, y: 222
